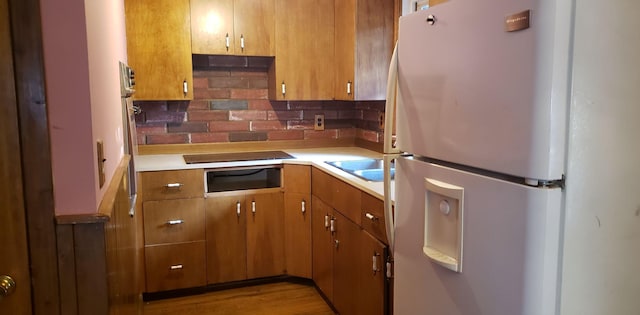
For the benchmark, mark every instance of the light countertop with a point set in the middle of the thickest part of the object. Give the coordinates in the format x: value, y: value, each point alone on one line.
x: 315, y: 157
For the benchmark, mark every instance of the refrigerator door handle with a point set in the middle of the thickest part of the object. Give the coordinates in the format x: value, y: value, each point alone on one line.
x: 391, y: 105
x: 388, y: 207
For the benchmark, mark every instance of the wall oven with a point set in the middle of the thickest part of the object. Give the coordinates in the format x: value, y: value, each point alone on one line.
x: 127, y: 88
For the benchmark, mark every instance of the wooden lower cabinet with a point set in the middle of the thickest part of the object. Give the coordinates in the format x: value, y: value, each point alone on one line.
x: 372, y: 288
x: 245, y: 238
x: 297, y: 234
x: 226, y: 239
x: 346, y: 267
x: 322, y: 247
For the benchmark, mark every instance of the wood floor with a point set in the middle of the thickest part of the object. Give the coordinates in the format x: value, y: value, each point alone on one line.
x: 281, y: 298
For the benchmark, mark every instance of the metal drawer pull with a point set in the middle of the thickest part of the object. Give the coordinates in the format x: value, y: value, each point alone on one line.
x: 333, y: 225
x: 174, y: 185
x: 227, y: 42
x: 253, y: 207
x: 175, y: 267
x: 175, y: 222
x: 326, y: 221
x: 371, y: 217
x: 349, y: 88
x: 304, y: 205
x: 242, y: 42
x: 238, y: 208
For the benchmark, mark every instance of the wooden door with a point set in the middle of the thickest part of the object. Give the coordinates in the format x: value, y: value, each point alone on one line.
x: 254, y: 23
x: 211, y: 24
x: 265, y: 234
x: 15, y: 259
x: 322, y: 247
x: 226, y: 238
x: 304, y: 50
x: 346, y: 286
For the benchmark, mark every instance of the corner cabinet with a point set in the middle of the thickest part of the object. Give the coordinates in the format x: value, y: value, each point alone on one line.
x: 304, y: 62
x: 233, y: 27
x: 363, y: 48
x: 349, y: 262
x: 159, y: 48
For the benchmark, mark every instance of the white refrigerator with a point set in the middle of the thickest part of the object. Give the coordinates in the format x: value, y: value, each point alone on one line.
x: 483, y: 99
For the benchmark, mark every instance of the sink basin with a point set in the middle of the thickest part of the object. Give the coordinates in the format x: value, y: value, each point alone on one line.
x: 367, y: 169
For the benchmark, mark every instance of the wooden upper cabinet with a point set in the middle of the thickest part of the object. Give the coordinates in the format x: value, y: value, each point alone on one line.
x: 159, y: 48
x: 233, y: 27
x: 303, y: 67
x: 363, y: 46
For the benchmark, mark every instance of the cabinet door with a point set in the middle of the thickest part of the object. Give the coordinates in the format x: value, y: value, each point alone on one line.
x: 265, y: 234
x: 304, y: 50
x: 254, y: 27
x: 159, y: 48
x: 346, y: 252
x: 372, y: 293
x: 226, y: 239
x: 322, y: 247
x: 212, y: 27
x: 345, y: 41
x: 297, y: 234
x: 364, y: 43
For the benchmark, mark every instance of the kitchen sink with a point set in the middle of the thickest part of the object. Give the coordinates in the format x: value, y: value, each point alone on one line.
x: 367, y: 169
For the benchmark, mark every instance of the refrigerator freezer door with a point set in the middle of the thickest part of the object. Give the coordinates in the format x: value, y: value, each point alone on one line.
x: 473, y: 93
x: 510, y: 246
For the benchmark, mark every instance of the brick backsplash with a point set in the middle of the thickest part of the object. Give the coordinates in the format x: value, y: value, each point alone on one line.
x: 233, y: 105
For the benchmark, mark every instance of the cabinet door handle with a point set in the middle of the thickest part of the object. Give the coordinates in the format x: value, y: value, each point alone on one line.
x: 175, y: 267
x: 336, y: 243
x: 227, y: 42
x: 284, y: 88
x: 388, y: 270
x: 238, y: 208
x: 174, y: 185
x: 175, y: 222
x: 242, y: 42
x: 253, y: 207
x: 349, y: 87
x: 374, y: 260
x: 371, y: 217
x: 333, y: 225
x: 185, y: 87
x: 326, y: 221
x: 303, y: 206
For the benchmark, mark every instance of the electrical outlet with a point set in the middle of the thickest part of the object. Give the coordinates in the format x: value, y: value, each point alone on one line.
x: 319, y: 122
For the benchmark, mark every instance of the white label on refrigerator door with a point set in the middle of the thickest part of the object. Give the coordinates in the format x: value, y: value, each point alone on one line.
x: 443, y: 223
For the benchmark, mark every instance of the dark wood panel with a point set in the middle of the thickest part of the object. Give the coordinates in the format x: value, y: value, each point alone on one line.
x: 67, y: 267
x: 34, y: 134
x: 91, y: 267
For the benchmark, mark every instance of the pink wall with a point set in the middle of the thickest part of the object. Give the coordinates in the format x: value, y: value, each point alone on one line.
x: 83, y: 96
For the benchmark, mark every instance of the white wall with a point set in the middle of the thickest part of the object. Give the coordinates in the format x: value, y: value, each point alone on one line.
x: 81, y: 48
x: 602, y: 234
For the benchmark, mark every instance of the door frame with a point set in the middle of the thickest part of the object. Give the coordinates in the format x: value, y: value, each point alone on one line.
x: 28, y: 57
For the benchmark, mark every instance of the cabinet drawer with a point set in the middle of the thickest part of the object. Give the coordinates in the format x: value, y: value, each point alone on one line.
x: 172, y: 184
x: 175, y: 266
x: 173, y: 221
x: 321, y: 185
x: 373, y: 217
x: 346, y: 199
